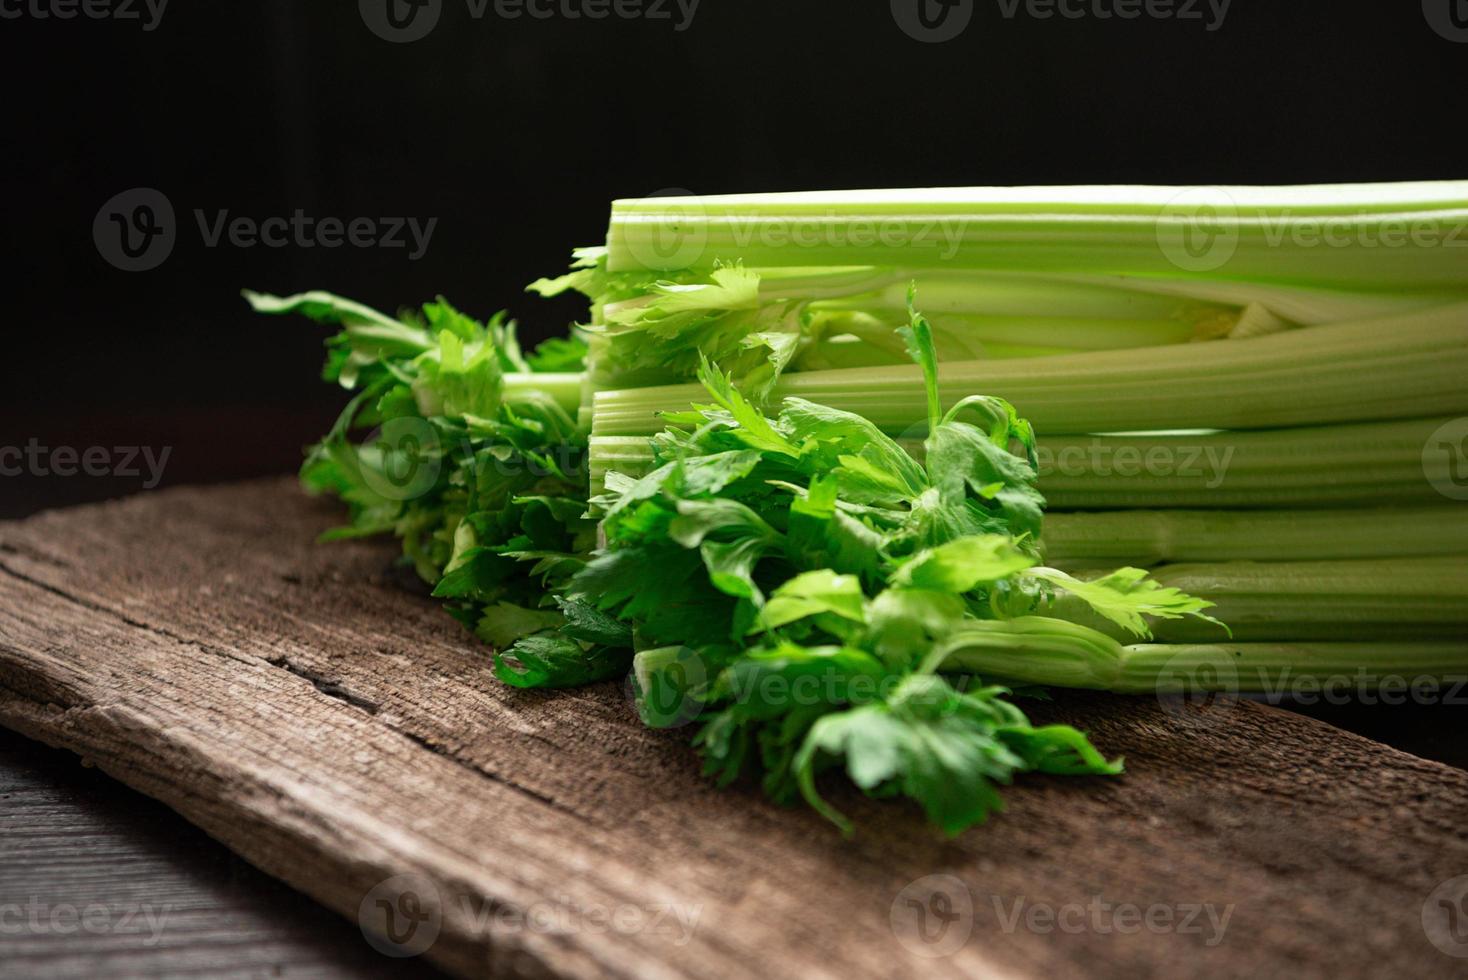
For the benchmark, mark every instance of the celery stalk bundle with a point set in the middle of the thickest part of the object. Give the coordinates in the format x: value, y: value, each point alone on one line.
x: 794, y: 508
x: 763, y: 284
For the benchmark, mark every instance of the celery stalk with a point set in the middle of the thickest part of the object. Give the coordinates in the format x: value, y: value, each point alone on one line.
x: 978, y: 292
x: 1050, y: 652
x: 1379, y: 599
x: 1390, y: 235
x: 1400, y: 366
x: 1306, y: 305
x: 1269, y: 668
x: 1362, y: 463
x: 1150, y: 537
x: 966, y: 336
x: 562, y: 388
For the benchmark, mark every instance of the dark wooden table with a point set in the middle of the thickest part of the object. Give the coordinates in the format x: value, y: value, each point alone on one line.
x: 338, y: 732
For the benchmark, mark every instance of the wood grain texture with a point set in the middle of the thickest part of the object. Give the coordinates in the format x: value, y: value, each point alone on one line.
x: 99, y: 881
x: 335, y: 728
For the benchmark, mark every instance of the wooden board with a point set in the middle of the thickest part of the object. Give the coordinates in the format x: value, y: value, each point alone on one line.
x: 335, y: 728
x: 99, y: 881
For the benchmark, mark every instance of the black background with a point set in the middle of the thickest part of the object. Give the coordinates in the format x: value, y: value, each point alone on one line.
x: 516, y: 134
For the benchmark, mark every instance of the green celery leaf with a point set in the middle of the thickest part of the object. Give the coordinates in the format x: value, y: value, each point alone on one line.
x: 963, y: 564
x: 671, y: 684
x: 810, y: 594
x: 903, y: 624
x: 587, y: 623
x: 755, y: 430
x: 558, y: 355
x: 502, y: 624
x: 459, y: 378
x: 918, y: 334
x: 963, y: 460
x: 474, y: 573
x: 768, y: 683
x: 551, y: 660
x: 826, y: 537
x: 1126, y: 595
x: 943, y: 748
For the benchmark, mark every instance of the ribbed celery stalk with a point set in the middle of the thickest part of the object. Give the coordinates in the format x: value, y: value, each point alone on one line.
x: 1301, y: 668
x: 562, y: 388
x: 968, y: 336
x: 648, y: 334
x: 845, y: 317
x: 1392, y: 235
x: 1296, y: 304
x: 1198, y: 299
x: 957, y: 291
x: 1403, y: 366
x: 628, y: 455
x: 1361, y: 463
x: 1036, y: 650
x: 1379, y: 599
x: 1372, y: 463
x: 1144, y: 538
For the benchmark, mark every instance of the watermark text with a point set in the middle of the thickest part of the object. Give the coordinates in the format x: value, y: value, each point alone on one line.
x: 128, y: 462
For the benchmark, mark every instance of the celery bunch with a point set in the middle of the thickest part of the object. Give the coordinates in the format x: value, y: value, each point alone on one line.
x: 733, y: 482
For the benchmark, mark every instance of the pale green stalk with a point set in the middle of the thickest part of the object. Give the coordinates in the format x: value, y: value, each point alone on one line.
x: 1391, y: 235
x: 1363, y: 463
x: 1110, y: 539
x: 1359, y: 463
x: 562, y: 388
x: 1052, y: 653
x: 1379, y: 599
x: 1405, y: 366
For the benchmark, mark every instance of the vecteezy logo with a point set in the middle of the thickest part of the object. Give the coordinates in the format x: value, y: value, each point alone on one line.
x: 401, y: 916
x: 1445, y: 916
x: 1197, y: 230
x: 1198, y: 690
x: 933, y: 916
x: 400, y: 21
x: 671, y: 231
x: 1445, y: 459
x: 1449, y: 18
x: 932, y: 21
x: 135, y: 230
x: 667, y: 686
x: 403, y: 459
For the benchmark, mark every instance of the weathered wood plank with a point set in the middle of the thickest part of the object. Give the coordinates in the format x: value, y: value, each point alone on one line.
x: 99, y: 881
x: 336, y: 729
